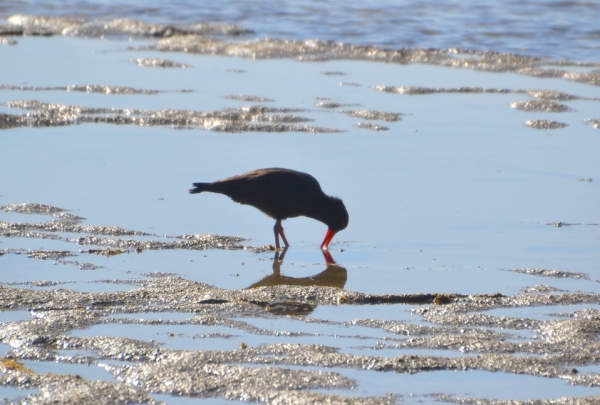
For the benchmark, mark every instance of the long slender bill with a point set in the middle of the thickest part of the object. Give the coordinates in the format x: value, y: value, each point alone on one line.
x: 328, y: 236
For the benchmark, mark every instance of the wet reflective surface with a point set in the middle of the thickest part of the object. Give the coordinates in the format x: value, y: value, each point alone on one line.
x: 469, y: 265
x: 564, y: 29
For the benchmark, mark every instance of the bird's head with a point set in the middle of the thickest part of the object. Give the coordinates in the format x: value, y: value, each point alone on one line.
x: 337, y: 220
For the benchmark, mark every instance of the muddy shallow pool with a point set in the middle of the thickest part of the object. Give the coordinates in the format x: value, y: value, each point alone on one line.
x: 469, y: 271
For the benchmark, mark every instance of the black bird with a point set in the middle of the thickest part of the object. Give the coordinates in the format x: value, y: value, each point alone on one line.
x: 281, y: 194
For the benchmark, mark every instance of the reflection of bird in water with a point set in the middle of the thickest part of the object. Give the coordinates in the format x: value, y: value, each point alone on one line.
x: 282, y: 194
x: 333, y: 276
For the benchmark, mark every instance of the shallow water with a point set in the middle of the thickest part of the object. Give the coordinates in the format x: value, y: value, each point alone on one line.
x: 457, y: 197
x: 470, y: 384
x: 543, y: 313
x: 176, y: 400
x: 87, y: 371
x: 14, y: 394
x: 544, y: 28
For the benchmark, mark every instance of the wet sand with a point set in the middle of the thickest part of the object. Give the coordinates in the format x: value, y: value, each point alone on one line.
x: 468, y: 271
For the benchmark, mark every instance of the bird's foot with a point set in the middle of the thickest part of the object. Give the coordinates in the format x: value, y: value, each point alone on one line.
x: 280, y: 254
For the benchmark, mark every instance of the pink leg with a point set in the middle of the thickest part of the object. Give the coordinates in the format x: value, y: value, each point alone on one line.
x: 278, y: 230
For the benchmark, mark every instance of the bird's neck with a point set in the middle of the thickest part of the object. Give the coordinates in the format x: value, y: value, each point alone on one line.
x: 321, y: 211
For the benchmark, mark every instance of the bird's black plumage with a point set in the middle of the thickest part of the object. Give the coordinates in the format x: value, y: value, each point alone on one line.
x: 281, y: 194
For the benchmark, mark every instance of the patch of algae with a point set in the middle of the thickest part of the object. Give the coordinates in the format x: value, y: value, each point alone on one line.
x: 552, y: 348
x: 594, y: 122
x: 254, y: 118
x: 110, y: 238
x: 87, y: 88
x: 318, y: 50
x: 212, y: 39
x: 545, y: 124
x: 20, y: 24
x: 13, y: 365
x: 560, y: 401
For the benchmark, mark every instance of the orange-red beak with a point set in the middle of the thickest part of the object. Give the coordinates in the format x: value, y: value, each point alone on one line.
x: 328, y: 236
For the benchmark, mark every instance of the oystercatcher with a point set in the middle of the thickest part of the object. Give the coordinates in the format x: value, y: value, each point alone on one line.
x: 281, y: 194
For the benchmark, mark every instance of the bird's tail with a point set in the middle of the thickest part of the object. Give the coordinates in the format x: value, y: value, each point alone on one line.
x: 200, y: 187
